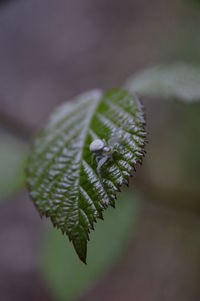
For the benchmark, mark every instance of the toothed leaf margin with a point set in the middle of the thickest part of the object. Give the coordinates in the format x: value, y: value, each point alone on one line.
x: 62, y: 179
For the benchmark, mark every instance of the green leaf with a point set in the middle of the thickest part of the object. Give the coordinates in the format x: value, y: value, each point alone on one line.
x: 13, y: 154
x: 65, y: 276
x: 179, y: 81
x: 62, y: 178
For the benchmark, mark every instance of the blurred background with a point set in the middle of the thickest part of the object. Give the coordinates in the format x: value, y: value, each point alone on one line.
x: 50, y: 51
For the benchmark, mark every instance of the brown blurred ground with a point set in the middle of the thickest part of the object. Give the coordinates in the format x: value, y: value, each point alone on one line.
x: 51, y: 50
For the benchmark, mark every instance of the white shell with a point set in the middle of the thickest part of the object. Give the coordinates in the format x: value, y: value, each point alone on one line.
x: 96, y: 145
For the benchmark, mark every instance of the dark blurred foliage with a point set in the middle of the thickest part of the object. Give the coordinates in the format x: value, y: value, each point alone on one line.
x: 5, y: 1
x: 52, y: 50
x: 194, y: 1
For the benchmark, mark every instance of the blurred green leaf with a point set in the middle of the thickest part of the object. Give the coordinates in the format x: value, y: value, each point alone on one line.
x: 180, y: 81
x: 65, y: 275
x: 13, y: 154
x: 193, y: 1
x: 64, y: 180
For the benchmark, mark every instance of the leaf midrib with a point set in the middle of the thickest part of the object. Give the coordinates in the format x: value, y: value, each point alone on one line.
x: 87, y: 127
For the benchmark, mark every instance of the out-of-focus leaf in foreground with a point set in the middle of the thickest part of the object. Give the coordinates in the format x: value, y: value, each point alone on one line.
x: 13, y: 154
x: 65, y: 276
x: 62, y: 177
x: 179, y: 81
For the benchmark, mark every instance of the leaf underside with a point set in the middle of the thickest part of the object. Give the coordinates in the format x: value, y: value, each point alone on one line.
x: 63, y: 180
x: 180, y: 81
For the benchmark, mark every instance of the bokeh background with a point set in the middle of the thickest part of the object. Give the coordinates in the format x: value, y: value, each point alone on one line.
x: 149, y: 249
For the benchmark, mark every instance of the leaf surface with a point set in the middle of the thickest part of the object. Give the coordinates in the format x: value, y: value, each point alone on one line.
x: 179, y: 81
x: 62, y: 177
